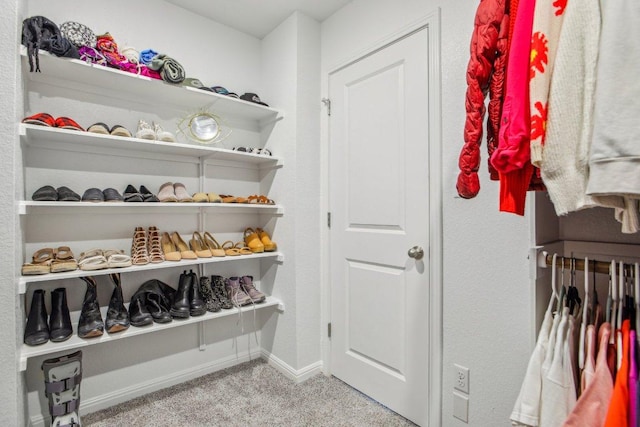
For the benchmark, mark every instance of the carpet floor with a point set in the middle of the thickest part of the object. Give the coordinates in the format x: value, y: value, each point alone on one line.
x: 250, y: 394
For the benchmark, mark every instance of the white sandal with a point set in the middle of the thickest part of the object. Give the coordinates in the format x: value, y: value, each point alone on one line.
x: 93, y: 259
x: 117, y: 258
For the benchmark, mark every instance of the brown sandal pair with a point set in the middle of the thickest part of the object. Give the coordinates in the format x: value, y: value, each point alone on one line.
x: 50, y: 260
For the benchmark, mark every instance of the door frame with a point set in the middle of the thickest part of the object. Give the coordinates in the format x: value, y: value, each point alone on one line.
x: 430, y: 23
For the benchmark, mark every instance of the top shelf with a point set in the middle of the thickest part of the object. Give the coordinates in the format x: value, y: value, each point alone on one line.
x: 99, y: 79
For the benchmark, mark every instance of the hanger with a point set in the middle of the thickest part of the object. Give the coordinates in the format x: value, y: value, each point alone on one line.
x: 618, y: 329
x: 573, y: 296
x: 595, y: 304
x: 554, y: 291
x: 562, y: 290
x: 585, y: 310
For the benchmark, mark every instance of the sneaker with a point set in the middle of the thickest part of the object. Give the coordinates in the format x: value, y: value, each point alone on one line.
x: 163, y: 135
x: 208, y: 296
x: 218, y: 288
x: 145, y: 131
x: 235, y: 293
x: 246, y: 283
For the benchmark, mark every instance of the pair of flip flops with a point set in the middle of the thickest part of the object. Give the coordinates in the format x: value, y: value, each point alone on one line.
x: 49, y: 194
x: 45, y: 119
x: 103, y: 129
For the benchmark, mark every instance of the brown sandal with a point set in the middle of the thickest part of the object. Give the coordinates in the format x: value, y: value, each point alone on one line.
x: 230, y: 249
x: 64, y: 260
x: 139, y: 253
x: 40, y: 262
x: 154, y: 248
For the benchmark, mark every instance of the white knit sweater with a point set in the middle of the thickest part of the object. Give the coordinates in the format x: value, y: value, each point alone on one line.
x: 565, y: 157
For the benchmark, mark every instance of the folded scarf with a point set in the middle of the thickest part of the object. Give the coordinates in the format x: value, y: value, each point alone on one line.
x: 131, y: 54
x: 109, y: 48
x: 60, y: 46
x: 147, y: 55
x: 170, y: 70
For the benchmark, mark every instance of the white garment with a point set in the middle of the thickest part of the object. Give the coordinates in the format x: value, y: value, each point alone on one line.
x: 526, y: 411
x: 564, y: 168
x: 558, y: 387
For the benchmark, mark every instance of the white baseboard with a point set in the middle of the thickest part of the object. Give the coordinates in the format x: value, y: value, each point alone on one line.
x: 297, y: 375
x: 128, y: 393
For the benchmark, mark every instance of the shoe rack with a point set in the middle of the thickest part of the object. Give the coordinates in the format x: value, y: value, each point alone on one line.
x: 74, y: 81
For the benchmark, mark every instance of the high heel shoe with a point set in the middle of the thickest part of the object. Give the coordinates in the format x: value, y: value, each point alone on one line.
x: 269, y: 245
x: 198, y: 245
x: 171, y: 253
x: 185, y: 252
x: 154, y: 248
x: 139, y: 253
x: 213, y: 245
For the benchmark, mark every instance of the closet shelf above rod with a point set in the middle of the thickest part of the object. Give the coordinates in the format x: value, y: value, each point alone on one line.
x: 545, y: 259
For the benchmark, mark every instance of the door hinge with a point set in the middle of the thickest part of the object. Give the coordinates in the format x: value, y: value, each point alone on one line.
x: 329, y: 329
x: 327, y: 103
x: 329, y: 219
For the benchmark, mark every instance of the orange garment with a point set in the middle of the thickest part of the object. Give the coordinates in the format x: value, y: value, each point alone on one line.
x: 618, y: 414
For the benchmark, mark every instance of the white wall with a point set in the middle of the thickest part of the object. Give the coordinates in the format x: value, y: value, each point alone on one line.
x: 487, y: 303
x: 11, y: 392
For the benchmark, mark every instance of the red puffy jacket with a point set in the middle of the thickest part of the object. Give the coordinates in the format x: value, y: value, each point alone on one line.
x: 485, y: 73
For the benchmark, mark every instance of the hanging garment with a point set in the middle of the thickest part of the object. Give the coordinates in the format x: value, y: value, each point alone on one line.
x: 485, y: 72
x: 618, y: 413
x: 633, y: 380
x: 564, y: 165
x: 591, y: 408
x: 526, y: 411
x: 558, y: 387
x: 615, y: 151
x: 512, y: 156
x: 547, y: 22
x: 589, y: 371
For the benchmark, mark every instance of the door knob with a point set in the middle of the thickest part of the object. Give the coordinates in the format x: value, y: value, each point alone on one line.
x: 416, y: 252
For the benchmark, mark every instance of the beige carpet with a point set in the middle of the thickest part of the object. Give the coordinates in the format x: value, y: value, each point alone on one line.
x: 250, y: 394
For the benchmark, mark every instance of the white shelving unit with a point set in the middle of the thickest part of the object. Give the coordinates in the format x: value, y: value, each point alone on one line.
x: 76, y: 80
x: 76, y: 342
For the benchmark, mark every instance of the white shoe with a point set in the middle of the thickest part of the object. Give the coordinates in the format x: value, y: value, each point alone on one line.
x: 145, y: 131
x: 163, y: 135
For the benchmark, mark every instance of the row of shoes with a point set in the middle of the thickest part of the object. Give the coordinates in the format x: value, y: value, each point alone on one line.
x: 154, y: 301
x: 154, y: 246
x: 168, y: 192
x: 145, y: 130
x: 61, y: 259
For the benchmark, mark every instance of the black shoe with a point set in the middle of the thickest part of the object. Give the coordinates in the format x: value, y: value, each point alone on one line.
x: 65, y: 194
x: 138, y: 313
x: 131, y: 194
x: 210, y: 300
x: 112, y: 195
x: 45, y: 194
x: 60, y: 328
x: 37, y: 330
x: 117, y: 316
x: 197, y: 306
x: 147, y: 195
x: 157, y: 310
x: 93, y: 195
x: 180, y: 307
x: 90, y: 323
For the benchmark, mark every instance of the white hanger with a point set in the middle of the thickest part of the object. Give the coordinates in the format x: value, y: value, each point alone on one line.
x: 585, y: 308
x: 554, y: 291
x: 621, y: 296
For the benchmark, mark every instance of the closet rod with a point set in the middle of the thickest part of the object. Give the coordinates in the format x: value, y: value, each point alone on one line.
x: 601, y: 266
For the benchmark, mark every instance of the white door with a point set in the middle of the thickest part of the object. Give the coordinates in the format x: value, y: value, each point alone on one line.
x: 379, y: 202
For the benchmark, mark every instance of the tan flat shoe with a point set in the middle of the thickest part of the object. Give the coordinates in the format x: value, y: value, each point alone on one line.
x: 214, y: 198
x: 269, y: 245
x: 185, y: 252
x: 213, y: 245
x: 166, y: 193
x: 198, y: 245
x: 244, y: 250
x: 253, y: 241
x: 230, y: 249
x: 171, y: 253
x: 40, y: 262
x: 64, y: 260
x: 200, y: 198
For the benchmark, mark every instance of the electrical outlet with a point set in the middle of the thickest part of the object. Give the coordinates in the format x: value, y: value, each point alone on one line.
x: 461, y: 378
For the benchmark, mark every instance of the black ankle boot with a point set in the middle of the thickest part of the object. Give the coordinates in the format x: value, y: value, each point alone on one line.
x: 138, y: 313
x: 180, y: 306
x: 197, y: 307
x: 90, y: 323
x: 37, y: 330
x: 60, y: 328
x: 117, y: 316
